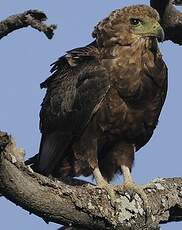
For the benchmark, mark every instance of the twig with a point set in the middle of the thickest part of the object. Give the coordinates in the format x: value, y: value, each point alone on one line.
x: 33, y: 18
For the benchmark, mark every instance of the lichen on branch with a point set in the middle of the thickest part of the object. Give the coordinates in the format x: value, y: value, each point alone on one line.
x: 84, y: 205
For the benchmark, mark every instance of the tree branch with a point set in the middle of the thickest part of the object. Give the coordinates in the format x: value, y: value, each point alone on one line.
x: 33, y: 18
x: 171, y: 18
x: 85, y: 205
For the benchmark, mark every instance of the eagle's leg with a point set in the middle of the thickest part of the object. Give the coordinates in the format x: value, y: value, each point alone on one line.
x: 126, y: 174
x: 130, y: 185
x: 88, y: 146
x: 102, y: 183
x: 123, y: 154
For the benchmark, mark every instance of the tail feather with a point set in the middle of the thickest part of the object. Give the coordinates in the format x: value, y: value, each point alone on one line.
x: 52, y: 150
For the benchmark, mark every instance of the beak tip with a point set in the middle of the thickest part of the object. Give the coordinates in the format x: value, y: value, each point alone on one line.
x: 161, y: 35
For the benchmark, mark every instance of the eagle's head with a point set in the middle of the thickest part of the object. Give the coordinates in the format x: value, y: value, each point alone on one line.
x: 124, y: 26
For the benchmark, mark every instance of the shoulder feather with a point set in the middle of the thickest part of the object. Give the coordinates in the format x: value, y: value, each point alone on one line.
x: 71, y: 59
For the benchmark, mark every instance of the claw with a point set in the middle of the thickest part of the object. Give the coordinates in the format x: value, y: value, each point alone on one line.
x: 140, y: 191
x: 103, y: 184
x: 111, y: 192
x: 130, y: 185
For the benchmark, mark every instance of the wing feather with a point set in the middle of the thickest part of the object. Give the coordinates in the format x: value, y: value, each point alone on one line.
x: 74, y: 94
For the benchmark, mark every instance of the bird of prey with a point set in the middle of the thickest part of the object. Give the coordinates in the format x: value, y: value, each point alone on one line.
x: 103, y: 100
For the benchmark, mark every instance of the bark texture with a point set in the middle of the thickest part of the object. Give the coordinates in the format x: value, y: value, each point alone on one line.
x: 33, y: 18
x: 84, y: 205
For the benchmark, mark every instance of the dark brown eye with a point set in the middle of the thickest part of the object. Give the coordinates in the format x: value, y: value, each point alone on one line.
x: 135, y: 21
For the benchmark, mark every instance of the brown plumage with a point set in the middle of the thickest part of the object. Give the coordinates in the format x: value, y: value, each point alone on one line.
x: 103, y: 100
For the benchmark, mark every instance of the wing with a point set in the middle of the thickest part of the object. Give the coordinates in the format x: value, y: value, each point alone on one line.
x: 74, y: 93
x: 159, y: 76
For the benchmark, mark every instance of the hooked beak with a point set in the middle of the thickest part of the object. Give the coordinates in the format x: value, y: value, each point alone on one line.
x: 159, y: 32
x: 154, y: 30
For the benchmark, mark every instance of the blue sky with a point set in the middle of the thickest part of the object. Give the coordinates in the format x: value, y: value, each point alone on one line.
x: 25, y: 60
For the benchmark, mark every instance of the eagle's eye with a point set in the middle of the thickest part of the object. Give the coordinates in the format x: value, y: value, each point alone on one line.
x: 135, y: 21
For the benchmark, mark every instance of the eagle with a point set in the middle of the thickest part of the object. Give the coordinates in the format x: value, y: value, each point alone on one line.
x: 103, y: 100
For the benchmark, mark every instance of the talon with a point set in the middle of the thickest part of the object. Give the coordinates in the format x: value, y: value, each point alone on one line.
x: 130, y: 185
x: 140, y: 191
x: 110, y: 190
x: 103, y: 184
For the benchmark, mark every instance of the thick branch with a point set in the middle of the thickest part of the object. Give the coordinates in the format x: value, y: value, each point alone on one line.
x: 84, y: 205
x: 171, y: 18
x: 33, y: 18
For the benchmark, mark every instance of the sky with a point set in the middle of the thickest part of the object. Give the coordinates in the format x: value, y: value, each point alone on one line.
x: 25, y: 60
